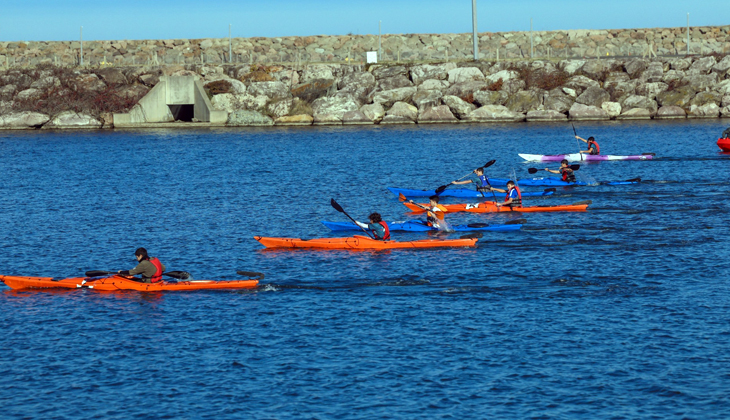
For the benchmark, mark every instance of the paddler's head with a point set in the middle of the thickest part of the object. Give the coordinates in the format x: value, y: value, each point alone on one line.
x: 433, y: 200
x: 591, y: 139
x: 564, y: 163
x: 479, y: 171
x: 141, y: 254
x: 510, y: 185
x: 375, y: 218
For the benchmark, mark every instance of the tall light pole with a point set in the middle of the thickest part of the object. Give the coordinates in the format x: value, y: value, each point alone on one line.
x: 687, y: 33
x: 474, y: 28
x: 230, y: 45
x: 81, y: 40
x: 380, y: 54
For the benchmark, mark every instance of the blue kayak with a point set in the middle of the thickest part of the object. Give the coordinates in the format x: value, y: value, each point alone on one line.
x: 463, y: 193
x: 557, y: 182
x: 420, y: 226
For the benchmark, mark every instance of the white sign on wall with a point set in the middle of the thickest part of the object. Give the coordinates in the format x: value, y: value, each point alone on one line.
x: 372, y: 56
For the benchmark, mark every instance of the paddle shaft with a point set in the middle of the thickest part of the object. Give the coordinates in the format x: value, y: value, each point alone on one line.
x: 576, y: 141
x: 341, y: 210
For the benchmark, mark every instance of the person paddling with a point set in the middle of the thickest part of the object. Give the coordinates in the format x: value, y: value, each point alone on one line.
x: 151, y: 269
x: 593, y: 147
x: 567, y: 173
x: 433, y: 207
x: 481, y: 181
x: 726, y: 134
x: 377, y: 226
x: 513, y: 197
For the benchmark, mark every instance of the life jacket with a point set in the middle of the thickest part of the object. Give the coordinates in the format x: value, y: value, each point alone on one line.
x: 597, y: 148
x: 567, y: 177
x: 158, y: 274
x: 516, y: 202
x: 431, y: 218
x: 386, y: 234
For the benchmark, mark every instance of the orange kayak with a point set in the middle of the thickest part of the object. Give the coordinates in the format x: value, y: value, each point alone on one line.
x: 117, y: 282
x: 490, y: 207
x: 361, y: 242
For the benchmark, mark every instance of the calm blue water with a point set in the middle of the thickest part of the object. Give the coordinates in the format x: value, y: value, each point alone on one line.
x: 619, y: 312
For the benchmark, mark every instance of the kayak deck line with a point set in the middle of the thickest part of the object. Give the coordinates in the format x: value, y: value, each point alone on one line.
x: 358, y: 242
x: 118, y: 282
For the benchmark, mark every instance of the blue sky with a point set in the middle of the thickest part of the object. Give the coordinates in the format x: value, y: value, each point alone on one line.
x: 52, y: 20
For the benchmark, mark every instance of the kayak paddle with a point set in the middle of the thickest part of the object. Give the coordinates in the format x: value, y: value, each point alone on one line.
x: 341, y: 210
x: 441, y: 189
x: 534, y: 170
x: 439, y: 214
x: 472, y: 235
x: 577, y: 143
x: 580, y: 203
x: 180, y: 275
x: 251, y: 274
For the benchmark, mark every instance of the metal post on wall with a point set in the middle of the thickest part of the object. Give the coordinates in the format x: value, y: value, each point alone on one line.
x: 81, y: 38
x: 474, y: 29
x: 379, y: 44
x: 687, y: 33
x: 230, y: 45
x: 532, y: 49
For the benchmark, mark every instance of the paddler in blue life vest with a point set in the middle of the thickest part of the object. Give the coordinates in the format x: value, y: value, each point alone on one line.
x: 565, y: 172
x: 513, y: 197
x: 377, y: 226
x: 151, y: 269
x: 593, y: 147
x: 481, y: 181
x: 432, y: 218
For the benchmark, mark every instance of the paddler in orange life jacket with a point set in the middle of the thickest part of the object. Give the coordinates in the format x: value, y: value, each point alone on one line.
x: 513, y: 197
x: 433, y: 207
x: 377, y: 226
x: 593, y: 147
x: 566, y: 173
x: 151, y: 269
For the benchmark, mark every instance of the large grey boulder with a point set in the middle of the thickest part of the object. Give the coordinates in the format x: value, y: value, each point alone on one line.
x: 635, y: 67
x: 571, y: 66
x: 513, y: 86
x: 375, y: 112
x: 286, y: 76
x: 357, y: 79
x: 680, y: 64
x: 225, y: 102
x: 651, y: 90
x: 678, y: 97
x: 316, y: 72
x: 427, y: 98
x: 270, y: 89
x: 355, y: 118
x: 331, y: 109
x: 89, y: 82
x: 421, y: 73
x: 394, y: 82
x: 613, y: 109
x: 702, y: 65
x: 402, y: 109
x: 638, y: 101
x: 581, y: 83
x: 722, y: 67
x: 458, y: 106
x: 28, y: 94
x: 703, y: 98
x: 494, y: 113
x: 384, y: 72
x: 525, y: 100
x: 314, y: 89
x: 433, y: 84
x: 7, y: 91
x: 595, y: 69
x: 557, y: 100
x: 437, y: 114
x: 72, y: 119
x: 388, y: 97
x: 593, y: 96
x: 46, y: 83
x: 465, y: 74
x: 546, y: 115
x: 24, y: 119
x: 112, y: 76
x: 237, y: 86
x: 580, y: 112
x: 623, y: 89
x: 243, y: 118
x: 298, y: 119
x: 635, y: 114
x: 614, y: 78
x: 653, y: 73
x: 700, y: 82
x: 489, y: 97
x: 251, y: 102
x: 710, y: 110
x: 670, y: 112
x: 279, y: 108
x: 504, y: 75
x: 725, y: 112
x: 673, y: 76
x: 723, y: 87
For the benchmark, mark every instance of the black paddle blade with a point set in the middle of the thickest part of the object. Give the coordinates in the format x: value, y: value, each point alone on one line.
x: 648, y: 154
x: 516, y: 222
x: 336, y: 206
x: 180, y: 275
x: 575, y: 167
x: 472, y: 235
x: 251, y: 274
x: 550, y: 190
x: 580, y: 203
x: 441, y: 189
x: 634, y: 180
x: 97, y: 273
x: 488, y: 164
x: 477, y: 225
x: 532, y: 170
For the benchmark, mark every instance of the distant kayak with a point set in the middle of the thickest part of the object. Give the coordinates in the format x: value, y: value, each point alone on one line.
x: 419, y: 226
x: 464, y: 193
x: 489, y: 207
x: 578, y: 157
x: 724, y: 144
x: 557, y: 182
x: 361, y: 242
x: 118, y: 282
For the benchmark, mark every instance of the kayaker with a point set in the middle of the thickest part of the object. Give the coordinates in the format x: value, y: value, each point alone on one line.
x: 377, y: 226
x: 433, y: 207
x: 593, y: 147
x: 513, y: 197
x: 151, y: 269
x: 567, y: 174
x: 481, y: 181
x: 726, y: 134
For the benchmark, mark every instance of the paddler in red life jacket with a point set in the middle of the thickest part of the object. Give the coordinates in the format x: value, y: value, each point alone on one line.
x: 566, y: 173
x: 513, y: 197
x: 593, y: 147
x: 432, y: 219
x: 151, y: 269
x: 377, y: 226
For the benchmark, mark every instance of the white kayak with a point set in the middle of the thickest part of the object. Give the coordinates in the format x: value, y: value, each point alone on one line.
x: 582, y: 157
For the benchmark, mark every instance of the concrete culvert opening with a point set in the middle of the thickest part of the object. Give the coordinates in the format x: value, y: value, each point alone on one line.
x: 182, y: 112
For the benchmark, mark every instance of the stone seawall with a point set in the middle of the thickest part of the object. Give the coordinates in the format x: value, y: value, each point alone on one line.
x: 348, y: 48
x: 334, y: 94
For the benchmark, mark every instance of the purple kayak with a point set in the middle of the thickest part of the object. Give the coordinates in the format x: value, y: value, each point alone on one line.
x: 582, y: 157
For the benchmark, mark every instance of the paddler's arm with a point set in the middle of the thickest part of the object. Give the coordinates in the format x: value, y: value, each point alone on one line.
x: 468, y: 181
x: 581, y: 139
x: 498, y: 190
x: 418, y: 205
x: 362, y: 225
x: 552, y: 171
x: 505, y: 203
